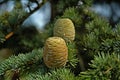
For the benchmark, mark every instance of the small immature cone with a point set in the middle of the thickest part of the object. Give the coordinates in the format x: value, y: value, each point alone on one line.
x: 64, y: 28
x: 5, y: 53
x: 55, y: 52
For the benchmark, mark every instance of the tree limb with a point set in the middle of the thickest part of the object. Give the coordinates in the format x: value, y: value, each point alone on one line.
x: 4, y: 1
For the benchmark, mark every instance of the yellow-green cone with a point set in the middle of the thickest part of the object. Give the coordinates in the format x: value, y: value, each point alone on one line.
x: 5, y: 53
x: 55, y: 52
x: 64, y: 28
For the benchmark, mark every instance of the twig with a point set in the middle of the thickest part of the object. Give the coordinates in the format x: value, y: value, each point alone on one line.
x: 4, y: 1
x: 25, y: 17
x: 9, y: 35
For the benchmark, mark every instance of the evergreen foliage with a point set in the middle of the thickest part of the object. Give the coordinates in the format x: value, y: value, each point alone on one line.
x: 104, y: 67
x: 93, y: 55
x: 15, y: 62
x: 72, y: 55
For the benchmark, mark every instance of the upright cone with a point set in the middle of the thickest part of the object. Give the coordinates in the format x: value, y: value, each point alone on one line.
x: 55, y: 52
x: 64, y: 28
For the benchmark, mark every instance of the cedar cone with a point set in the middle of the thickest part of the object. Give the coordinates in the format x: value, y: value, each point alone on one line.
x: 64, y: 28
x: 55, y: 52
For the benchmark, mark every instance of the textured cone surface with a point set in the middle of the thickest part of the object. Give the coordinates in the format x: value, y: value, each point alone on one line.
x: 55, y: 52
x: 64, y: 28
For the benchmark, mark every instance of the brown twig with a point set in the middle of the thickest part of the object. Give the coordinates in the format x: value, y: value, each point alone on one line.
x: 9, y: 35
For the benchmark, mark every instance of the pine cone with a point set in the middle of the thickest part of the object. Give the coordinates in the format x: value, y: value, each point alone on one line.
x: 55, y: 52
x: 64, y: 28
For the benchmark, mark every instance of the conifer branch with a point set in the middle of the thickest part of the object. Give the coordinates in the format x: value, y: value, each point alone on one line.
x: 103, y: 67
x: 15, y: 18
x: 72, y: 56
x: 36, y: 72
x: 56, y: 74
x: 15, y: 62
